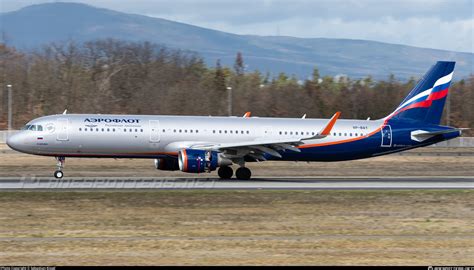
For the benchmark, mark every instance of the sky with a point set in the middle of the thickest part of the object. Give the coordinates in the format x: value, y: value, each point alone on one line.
x: 439, y: 24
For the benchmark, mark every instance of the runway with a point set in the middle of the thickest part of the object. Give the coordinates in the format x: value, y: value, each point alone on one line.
x: 349, y: 183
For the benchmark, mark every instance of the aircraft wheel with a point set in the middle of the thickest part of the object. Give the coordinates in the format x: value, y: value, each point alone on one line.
x: 225, y: 172
x: 243, y: 173
x: 58, y: 174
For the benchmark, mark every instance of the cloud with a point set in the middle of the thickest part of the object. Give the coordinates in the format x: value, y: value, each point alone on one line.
x: 441, y: 24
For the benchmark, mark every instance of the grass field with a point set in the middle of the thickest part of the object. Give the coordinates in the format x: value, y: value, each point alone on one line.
x: 410, y: 227
x: 438, y: 162
x: 237, y: 227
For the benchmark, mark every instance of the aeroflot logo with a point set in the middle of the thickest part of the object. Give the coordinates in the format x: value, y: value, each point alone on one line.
x: 112, y: 120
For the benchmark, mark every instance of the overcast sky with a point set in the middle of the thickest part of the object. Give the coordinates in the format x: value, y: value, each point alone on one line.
x: 436, y: 24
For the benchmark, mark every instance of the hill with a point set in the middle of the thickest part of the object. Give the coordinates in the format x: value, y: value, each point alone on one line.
x: 35, y: 25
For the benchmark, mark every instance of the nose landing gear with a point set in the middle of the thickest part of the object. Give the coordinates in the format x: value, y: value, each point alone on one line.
x: 60, y: 165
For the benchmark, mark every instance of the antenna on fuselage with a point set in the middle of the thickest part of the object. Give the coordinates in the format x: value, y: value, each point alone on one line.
x: 304, y: 116
x: 65, y: 111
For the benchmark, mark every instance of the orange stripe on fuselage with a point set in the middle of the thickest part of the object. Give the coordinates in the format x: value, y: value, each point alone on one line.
x: 341, y: 141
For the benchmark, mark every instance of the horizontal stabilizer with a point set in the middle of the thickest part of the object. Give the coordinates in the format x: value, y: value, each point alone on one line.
x: 422, y: 135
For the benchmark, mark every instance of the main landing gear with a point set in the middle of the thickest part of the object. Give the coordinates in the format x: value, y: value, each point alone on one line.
x: 60, y: 165
x: 242, y: 173
x: 225, y: 172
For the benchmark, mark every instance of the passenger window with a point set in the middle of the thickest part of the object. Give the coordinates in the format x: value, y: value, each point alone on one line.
x: 80, y: 129
x: 85, y: 129
x: 197, y: 131
x: 248, y: 132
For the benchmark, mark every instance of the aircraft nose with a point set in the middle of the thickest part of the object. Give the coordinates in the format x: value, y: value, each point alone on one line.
x: 13, y: 141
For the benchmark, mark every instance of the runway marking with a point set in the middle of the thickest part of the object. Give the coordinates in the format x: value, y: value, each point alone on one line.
x: 104, y: 183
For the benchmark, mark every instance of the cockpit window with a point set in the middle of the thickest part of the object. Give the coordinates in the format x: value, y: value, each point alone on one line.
x: 33, y: 127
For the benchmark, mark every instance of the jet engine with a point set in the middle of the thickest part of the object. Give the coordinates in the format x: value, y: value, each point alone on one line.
x: 167, y: 164
x: 198, y: 161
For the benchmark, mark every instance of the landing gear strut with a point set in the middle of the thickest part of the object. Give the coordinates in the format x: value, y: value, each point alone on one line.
x: 225, y: 172
x: 243, y: 173
x: 60, y: 165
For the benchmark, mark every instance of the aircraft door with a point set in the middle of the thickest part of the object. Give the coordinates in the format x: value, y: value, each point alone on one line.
x: 154, y: 127
x: 386, y: 136
x: 62, y: 131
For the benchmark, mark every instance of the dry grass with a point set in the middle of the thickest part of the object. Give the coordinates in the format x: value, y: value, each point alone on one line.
x: 237, y: 227
x: 14, y: 164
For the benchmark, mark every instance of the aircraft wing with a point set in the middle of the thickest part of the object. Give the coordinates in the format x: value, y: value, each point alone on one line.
x: 257, y: 148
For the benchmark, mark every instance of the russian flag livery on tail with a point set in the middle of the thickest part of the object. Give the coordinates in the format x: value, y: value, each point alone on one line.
x: 425, y: 102
x: 198, y: 144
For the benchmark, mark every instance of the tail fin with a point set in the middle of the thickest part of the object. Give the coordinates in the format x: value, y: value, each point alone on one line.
x: 425, y: 102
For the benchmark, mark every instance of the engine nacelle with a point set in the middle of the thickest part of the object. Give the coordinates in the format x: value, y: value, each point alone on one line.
x: 167, y: 164
x: 198, y: 161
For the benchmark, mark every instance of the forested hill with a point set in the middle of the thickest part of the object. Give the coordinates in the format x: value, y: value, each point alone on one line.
x: 111, y: 76
x: 34, y: 26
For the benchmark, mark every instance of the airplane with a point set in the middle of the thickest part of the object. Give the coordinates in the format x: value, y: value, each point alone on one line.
x: 199, y: 144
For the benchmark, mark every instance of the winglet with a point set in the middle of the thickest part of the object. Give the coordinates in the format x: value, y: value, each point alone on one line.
x: 327, y: 130
x: 247, y: 115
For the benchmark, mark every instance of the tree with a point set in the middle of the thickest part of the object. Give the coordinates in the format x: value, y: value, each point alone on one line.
x: 239, y: 65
